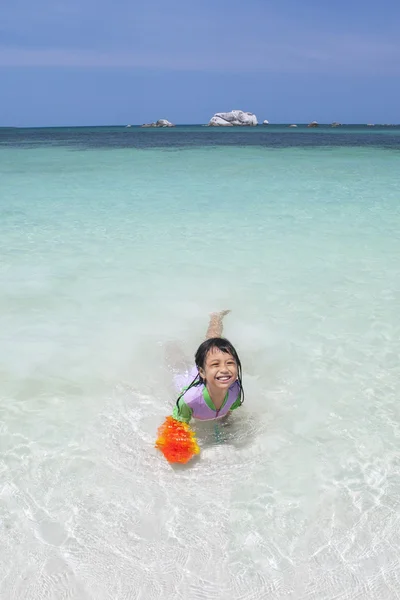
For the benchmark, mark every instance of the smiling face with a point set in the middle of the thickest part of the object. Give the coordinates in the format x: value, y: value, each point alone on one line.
x: 219, y: 370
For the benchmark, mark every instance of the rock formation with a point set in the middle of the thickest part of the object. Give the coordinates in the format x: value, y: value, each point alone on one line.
x: 164, y: 123
x: 233, y: 118
x: 159, y: 123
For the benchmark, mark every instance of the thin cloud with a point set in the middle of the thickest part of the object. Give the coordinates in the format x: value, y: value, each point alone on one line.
x: 207, y: 36
x: 339, y: 54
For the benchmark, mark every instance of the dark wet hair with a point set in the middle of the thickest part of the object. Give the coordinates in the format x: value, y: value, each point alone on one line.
x: 223, y: 345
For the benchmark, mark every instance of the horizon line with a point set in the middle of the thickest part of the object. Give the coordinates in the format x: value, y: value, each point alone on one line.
x: 330, y: 124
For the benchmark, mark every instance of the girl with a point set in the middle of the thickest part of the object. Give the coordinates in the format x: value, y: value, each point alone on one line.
x: 214, y: 386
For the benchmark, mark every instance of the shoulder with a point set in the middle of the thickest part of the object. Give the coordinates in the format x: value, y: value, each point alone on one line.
x: 193, y: 394
x: 235, y: 388
x: 183, y: 380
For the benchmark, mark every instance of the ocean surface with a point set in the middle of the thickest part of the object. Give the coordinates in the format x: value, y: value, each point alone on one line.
x: 115, y: 245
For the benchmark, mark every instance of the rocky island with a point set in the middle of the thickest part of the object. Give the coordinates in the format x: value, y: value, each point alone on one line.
x: 159, y: 123
x: 233, y: 119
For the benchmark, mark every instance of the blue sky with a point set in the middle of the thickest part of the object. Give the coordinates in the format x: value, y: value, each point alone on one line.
x: 84, y: 62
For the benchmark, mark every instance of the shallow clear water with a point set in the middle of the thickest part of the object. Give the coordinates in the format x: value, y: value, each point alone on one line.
x: 112, y: 256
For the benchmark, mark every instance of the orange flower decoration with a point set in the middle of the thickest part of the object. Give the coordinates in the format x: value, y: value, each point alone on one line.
x: 177, y: 441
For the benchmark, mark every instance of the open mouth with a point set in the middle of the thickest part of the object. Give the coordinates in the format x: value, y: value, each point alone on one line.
x: 224, y: 378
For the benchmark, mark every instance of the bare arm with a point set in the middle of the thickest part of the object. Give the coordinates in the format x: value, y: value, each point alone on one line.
x: 215, y: 325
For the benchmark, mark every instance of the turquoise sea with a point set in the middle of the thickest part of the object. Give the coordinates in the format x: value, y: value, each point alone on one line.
x: 115, y: 245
